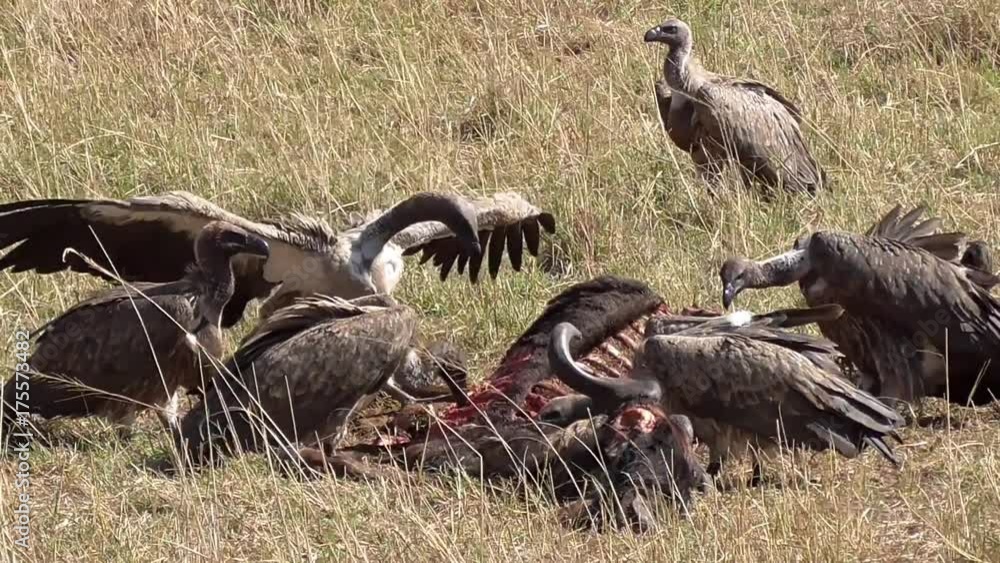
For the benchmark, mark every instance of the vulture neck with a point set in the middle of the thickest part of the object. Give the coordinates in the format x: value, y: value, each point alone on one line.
x: 682, y: 72
x: 215, y: 284
x: 781, y: 270
x: 417, y: 209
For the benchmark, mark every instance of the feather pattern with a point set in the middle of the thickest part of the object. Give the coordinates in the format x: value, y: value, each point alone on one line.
x: 129, y: 348
x: 721, y: 119
x: 302, y: 374
x: 307, y: 255
x: 910, y: 299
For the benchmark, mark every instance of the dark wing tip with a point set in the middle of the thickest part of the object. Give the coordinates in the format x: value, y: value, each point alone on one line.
x: 881, y: 447
x: 548, y: 222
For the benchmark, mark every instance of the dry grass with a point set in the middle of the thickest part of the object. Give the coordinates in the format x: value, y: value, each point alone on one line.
x: 330, y: 107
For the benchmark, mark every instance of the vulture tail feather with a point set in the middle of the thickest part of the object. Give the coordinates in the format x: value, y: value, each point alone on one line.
x: 881, y: 447
x: 840, y: 442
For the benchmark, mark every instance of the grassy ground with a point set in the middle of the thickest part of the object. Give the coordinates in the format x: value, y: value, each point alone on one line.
x: 329, y: 107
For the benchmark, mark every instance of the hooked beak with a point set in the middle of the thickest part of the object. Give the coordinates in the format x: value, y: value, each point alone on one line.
x: 653, y: 35
x: 257, y: 246
x: 370, y: 282
x: 201, y: 325
x: 729, y: 293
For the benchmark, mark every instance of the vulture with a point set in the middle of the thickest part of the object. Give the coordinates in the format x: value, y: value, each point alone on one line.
x: 912, y: 295
x: 744, y: 384
x: 717, y: 119
x: 301, y: 374
x: 307, y: 255
x: 119, y: 352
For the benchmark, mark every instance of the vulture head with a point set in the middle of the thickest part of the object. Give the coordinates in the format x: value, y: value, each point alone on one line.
x: 977, y: 255
x: 438, y: 369
x: 673, y: 33
x: 740, y: 273
x: 219, y: 240
x: 737, y: 274
x: 216, y: 245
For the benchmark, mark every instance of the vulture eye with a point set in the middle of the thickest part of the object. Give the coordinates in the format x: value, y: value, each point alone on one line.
x: 670, y: 29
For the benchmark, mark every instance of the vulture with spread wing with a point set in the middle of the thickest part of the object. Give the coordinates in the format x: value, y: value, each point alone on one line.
x: 912, y: 295
x: 718, y: 119
x: 307, y: 256
x: 123, y: 351
x: 744, y: 384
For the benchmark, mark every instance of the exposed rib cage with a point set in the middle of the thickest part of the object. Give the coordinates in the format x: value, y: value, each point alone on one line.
x: 497, y: 396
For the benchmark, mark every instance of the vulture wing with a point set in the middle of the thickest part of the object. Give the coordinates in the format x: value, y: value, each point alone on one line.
x: 128, y: 230
x: 923, y: 294
x: 304, y: 313
x: 924, y: 234
x: 756, y: 386
x: 149, y: 238
x: 762, y: 128
x: 762, y: 89
x: 505, y: 220
x: 955, y: 247
x: 309, y: 365
x: 766, y: 327
x: 677, y: 116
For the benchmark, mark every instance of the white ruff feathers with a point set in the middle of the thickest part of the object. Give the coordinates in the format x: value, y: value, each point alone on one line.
x: 739, y: 318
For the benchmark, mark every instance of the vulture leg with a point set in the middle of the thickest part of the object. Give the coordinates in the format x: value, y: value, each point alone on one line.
x: 760, y: 458
x: 338, y: 425
x: 757, y: 476
x: 708, y: 170
x: 169, y: 414
x: 905, y: 376
x: 717, y: 458
x: 125, y: 427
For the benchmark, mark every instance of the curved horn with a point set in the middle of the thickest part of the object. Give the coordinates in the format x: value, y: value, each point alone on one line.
x: 455, y: 212
x: 607, y: 393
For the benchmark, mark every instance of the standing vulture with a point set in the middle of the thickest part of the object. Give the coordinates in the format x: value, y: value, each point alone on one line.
x: 719, y: 119
x: 744, y: 385
x: 911, y: 296
x: 307, y: 256
x: 301, y: 374
x: 120, y: 352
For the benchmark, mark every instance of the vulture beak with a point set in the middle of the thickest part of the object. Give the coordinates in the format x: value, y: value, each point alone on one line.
x: 729, y: 293
x: 257, y: 246
x: 653, y: 35
x: 201, y: 325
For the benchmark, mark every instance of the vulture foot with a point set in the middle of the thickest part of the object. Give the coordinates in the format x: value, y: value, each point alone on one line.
x: 758, y: 479
x: 124, y: 433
